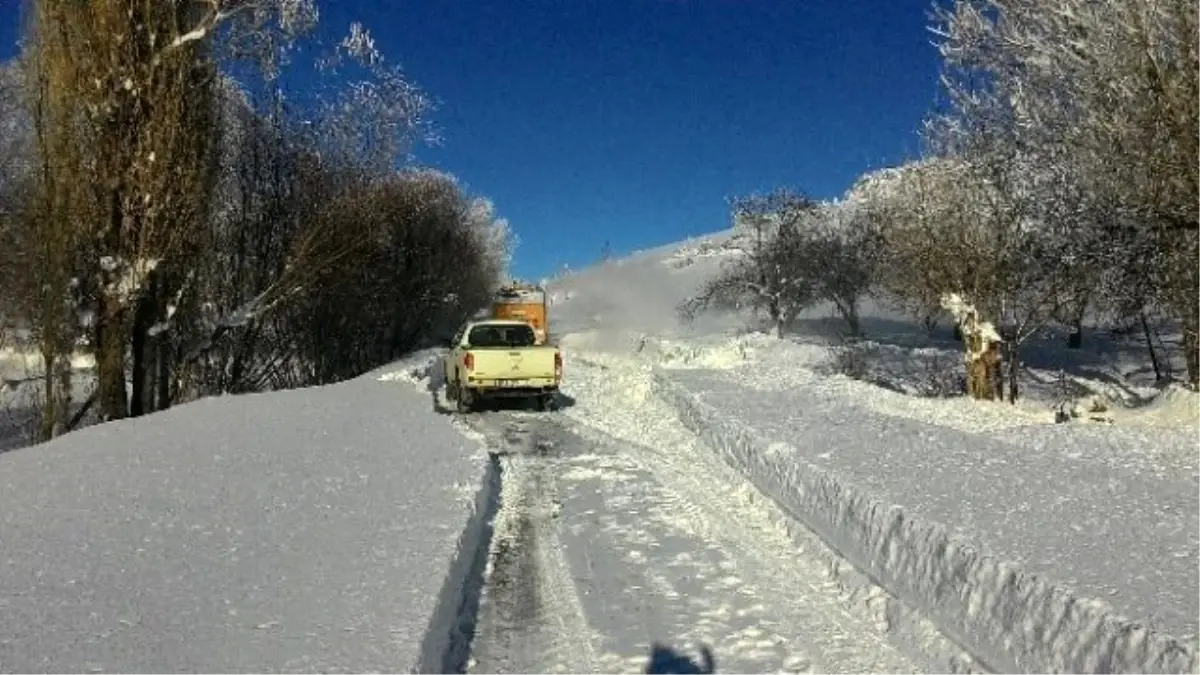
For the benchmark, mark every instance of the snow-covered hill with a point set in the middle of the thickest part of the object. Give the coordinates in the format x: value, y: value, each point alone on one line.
x: 631, y: 303
x: 640, y: 293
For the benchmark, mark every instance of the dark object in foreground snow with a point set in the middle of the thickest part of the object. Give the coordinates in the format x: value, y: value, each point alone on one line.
x: 665, y: 661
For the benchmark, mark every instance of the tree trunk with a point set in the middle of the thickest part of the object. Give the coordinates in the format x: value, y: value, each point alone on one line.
x: 162, y: 352
x: 982, y: 346
x: 1013, y: 359
x: 66, y: 380
x: 162, y: 380
x: 1191, y: 349
x: 979, y: 380
x: 141, y: 350
x: 850, y: 313
x: 50, y: 401
x: 1185, y: 280
x: 1075, y: 338
x: 1159, y: 375
x: 151, y: 393
x: 982, y: 369
x: 112, y: 396
x: 240, y: 352
x: 930, y: 322
x: 110, y: 362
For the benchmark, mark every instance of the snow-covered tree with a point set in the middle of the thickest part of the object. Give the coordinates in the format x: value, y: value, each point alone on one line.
x: 1104, y: 96
x: 772, y: 276
x: 495, y: 236
x: 841, y: 244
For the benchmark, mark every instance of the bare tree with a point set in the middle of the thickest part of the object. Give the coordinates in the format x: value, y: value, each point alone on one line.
x: 46, y: 228
x: 130, y: 87
x: 842, y: 247
x: 422, y: 270
x: 772, y: 275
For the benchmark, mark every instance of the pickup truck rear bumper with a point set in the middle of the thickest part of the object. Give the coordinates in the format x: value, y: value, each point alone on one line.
x: 509, y: 389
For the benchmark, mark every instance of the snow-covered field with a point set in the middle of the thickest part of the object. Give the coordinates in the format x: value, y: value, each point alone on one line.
x: 1037, y: 546
x: 329, y: 529
x: 704, y: 486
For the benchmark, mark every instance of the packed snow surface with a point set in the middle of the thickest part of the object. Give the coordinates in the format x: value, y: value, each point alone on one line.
x: 307, y: 530
x: 602, y: 547
x: 604, y: 544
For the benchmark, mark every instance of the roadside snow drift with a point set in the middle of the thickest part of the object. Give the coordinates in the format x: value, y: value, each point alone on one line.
x: 308, y: 530
x: 906, y: 504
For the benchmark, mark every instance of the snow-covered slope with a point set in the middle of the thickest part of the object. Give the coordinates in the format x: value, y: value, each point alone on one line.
x: 640, y: 293
x: 323, y: 529
x: 618, y: 302
x: 1005, y: 533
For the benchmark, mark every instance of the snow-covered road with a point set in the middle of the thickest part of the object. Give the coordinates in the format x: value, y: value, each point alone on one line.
x: 602, y: 547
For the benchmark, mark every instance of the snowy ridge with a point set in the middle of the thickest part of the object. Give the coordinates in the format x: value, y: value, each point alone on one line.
x: 1007, y: 617
x: 446, y: 645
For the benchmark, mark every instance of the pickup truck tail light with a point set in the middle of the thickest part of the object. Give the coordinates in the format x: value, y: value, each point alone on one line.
x: 469, y: 361
x: 558, y: 364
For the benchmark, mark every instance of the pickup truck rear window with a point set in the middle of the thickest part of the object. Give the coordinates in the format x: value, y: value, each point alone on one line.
x: 501, y: 336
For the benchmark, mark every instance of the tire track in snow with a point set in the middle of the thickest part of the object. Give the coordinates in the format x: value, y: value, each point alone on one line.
x: 654, y: 581
x: 615, y: 407
x: 715, y: 579
x: 530, y: 616
x: 639, y: 561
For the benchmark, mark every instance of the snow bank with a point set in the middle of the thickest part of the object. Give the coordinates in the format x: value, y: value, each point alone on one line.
x: 1011, y: 613
x: 1176, y: 407
x: 446, y: 646
x: 325, y: 529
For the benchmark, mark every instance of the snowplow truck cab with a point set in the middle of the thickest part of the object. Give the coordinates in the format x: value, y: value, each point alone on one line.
x: 523, y: 302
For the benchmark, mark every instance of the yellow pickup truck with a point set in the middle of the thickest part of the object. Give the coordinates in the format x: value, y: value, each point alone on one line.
x: 501, y: 359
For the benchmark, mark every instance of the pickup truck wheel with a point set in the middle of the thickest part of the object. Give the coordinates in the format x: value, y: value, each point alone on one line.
x: 464, y: 402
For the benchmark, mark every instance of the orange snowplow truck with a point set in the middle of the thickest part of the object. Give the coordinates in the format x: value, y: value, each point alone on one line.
x: 523, y: 302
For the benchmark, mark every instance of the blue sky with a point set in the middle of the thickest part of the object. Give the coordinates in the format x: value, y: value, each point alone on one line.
x: 631, y: 121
